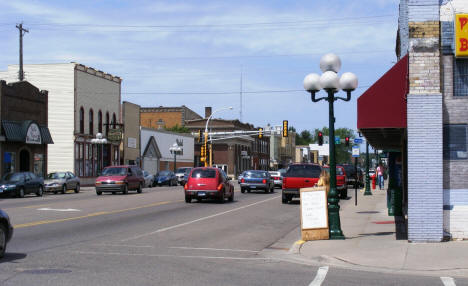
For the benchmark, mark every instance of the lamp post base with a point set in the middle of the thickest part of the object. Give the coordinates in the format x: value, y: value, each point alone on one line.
x: 334, y: 215
x: 367, y: 191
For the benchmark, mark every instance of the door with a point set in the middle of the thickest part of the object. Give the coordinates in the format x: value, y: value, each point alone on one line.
x: 24, y: 161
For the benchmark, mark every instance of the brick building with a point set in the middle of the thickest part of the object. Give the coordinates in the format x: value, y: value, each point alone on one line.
x: 160, y: 117
x: 425, y: 124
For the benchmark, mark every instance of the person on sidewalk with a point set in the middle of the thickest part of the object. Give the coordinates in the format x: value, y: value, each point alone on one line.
x: 324, y: 180
x: 380, y: 177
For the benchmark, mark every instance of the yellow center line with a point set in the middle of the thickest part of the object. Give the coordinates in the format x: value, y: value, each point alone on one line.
x: 35, y: 223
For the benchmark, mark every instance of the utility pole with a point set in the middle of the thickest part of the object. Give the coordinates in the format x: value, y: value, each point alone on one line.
x: 240, y: 109
x: 21, y: 33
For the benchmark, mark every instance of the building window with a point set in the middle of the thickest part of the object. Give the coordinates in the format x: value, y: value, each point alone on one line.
x: 113, y: 121
x: 9, y: 159
x: 455, y: 142
x: 100, y: 121
x: 91, y: 122
x: 460, y: 78
x: 107, y: 123
x: 81, y: 120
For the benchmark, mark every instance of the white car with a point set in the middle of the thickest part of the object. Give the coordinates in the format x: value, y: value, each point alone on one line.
x: 149, y: 179
x: 180, y: 173
x: 277, y: 178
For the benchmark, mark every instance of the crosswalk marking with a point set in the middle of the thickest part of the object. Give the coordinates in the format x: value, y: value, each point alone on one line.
x: 448, y: 281
x: 320, y: 277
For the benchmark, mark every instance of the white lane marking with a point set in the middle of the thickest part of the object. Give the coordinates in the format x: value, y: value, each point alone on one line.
x: 448, y: 281
x: 197, y: 220
x: 58, y: 210
x: 214, y: 249
x: 169, y: 255
x: 123, y: 245
x: 321, y: 274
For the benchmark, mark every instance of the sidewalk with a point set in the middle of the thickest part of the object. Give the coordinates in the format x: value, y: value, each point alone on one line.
x: 371, y: 243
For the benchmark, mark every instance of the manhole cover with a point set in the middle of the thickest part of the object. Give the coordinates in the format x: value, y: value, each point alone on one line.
x: 46, y: 271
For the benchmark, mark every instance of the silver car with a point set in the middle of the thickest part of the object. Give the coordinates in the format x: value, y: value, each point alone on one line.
x: 149, y: 179
x: 61, y: 181
x: 277, y: 178
x: 180, y: 174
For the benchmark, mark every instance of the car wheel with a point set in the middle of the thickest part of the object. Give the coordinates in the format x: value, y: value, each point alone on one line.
x: 284, y: 199
x: 77, y: 189
x: 98, y: 193
x: 40, y: 192
x: 3, y: 235
x: 231, y: 198
x: 242, y: 190
x: 140, y: 188
x: 114, y: 193
x: 64, y: 189
x: 188, y: 199
x: 125, y: 190
x: 267, y: 190
x: 21, y: 193
x: 55, y: 192
x: 222, y: 197
x: 344, y: 193
x: 170, y: 183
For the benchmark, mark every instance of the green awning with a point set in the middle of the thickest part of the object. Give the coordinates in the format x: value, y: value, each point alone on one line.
x: 15, y: 131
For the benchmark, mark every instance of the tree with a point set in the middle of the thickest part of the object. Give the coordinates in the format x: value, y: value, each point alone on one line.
x: 343, y: 153
x: 178, y: 129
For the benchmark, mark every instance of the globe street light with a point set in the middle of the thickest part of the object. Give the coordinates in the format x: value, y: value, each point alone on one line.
x: 330, y: 64
x: 174, y: 149
x: 206, y: 132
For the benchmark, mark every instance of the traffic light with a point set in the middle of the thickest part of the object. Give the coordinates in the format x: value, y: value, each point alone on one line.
x: 199, y: 136
x: 285, y: 128
x: 320, y: 138
x: 203, y: 151
x: 346, y: 141
x: 260, y: 133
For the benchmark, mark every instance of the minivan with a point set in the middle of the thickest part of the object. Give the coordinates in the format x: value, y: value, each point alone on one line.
x: 120, y: 179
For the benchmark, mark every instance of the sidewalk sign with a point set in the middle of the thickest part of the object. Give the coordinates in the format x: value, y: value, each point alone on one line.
x: 314, y: 213
x: 355, y: 151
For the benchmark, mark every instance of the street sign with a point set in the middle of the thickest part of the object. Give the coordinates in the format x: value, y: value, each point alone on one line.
x: 356, y: 151
x: 337, y: 140
x: 357, y: 140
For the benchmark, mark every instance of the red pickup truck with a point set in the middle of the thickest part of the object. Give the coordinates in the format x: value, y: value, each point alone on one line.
x: 299, y: 176
x: 341, y: 185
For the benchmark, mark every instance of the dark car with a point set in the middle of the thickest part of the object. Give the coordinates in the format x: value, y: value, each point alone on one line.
x: 120, y: 179
x: 208, y: 182
x: 257, y: 180
x: 20, y: 184
x: 165, y: 178
x: 6, y: 231
x: 350, y: 172
x: 299, y: 176
x: 341, y: 185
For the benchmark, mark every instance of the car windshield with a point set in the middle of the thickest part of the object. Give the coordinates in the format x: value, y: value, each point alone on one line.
x: 204, y: 173
x: 303, y: 171
x: 13, y: 177
x: 114, y: 171
x: 58, y: 175
x: 256, y: 175
x: 164, y: 173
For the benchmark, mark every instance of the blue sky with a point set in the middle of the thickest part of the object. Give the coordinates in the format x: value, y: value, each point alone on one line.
x: 174, y: 53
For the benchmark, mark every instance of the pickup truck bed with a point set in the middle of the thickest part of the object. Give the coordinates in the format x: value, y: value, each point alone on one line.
x: 299, y: 176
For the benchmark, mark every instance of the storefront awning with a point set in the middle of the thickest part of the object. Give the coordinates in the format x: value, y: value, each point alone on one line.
x: 381, y: 110
x: 17, y: 131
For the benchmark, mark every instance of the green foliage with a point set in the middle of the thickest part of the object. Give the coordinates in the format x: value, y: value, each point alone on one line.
x: 178, y: 129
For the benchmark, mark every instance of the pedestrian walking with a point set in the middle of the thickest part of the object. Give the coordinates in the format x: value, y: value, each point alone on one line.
x: 380, y: 177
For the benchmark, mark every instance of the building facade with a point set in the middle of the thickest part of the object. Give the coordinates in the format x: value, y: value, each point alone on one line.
x: 24, y: 135
x: 130, y: 147
x: 166, y: 117
x: 82, y: 102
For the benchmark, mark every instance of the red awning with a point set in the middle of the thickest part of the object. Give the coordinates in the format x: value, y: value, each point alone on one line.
x: 383, y: 105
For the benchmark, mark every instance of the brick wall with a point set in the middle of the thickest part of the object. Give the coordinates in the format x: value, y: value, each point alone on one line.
x: 170, y: 118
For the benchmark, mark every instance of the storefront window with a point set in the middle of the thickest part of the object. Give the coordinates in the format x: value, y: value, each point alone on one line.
x: 39, y: 165
x: 9, y: 159
x: 460, y: 80
x: 455, y: 142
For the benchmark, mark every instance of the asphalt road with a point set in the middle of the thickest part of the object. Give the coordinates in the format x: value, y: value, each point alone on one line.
x: 155, y: 238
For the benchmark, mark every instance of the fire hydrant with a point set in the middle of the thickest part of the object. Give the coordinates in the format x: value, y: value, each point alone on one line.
x: 373, y: 181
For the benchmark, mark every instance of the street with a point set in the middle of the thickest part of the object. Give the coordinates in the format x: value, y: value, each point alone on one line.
x: 155, y: 238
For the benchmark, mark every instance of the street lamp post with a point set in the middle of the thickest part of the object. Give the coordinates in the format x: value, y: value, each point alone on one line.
x: 99, y: 141
x: 367, y: 192
x: 206, y: 133
x: 330, y: 65
x: 174, y: 149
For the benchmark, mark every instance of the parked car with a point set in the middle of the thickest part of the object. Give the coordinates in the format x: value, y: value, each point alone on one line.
x: 20, y: 184
x: 299, y: 176
x: 165, y: 178
x: 239, y: 178
x: 277, y: 178
x: 208, y: 182
x: 61, y: 181
x: 120, y: 179
x: 350, y: 171
x: 257, y: 180
x: 180, y: 172
x: 149, y: 179
x: 341, y: 185
x: 6, y: 231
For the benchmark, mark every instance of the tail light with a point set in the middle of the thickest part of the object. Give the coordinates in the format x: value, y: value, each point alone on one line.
x: 243, y: 181
x: 284, y: 180
x: 220, y: 187
x: 264, y: 181
x: 186, y: 187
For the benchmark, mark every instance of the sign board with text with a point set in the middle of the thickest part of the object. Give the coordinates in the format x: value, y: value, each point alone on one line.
x: 314, y: 213
x: 461, y: 35
x: 356, y: 151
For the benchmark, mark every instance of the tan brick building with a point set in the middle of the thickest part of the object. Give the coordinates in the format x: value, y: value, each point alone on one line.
x: 160, y: 117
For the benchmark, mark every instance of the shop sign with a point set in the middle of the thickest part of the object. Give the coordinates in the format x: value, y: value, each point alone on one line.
x: 132, y: 142
x: 33, y: 135
x: 114, y: 135
x: 461, y: 35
